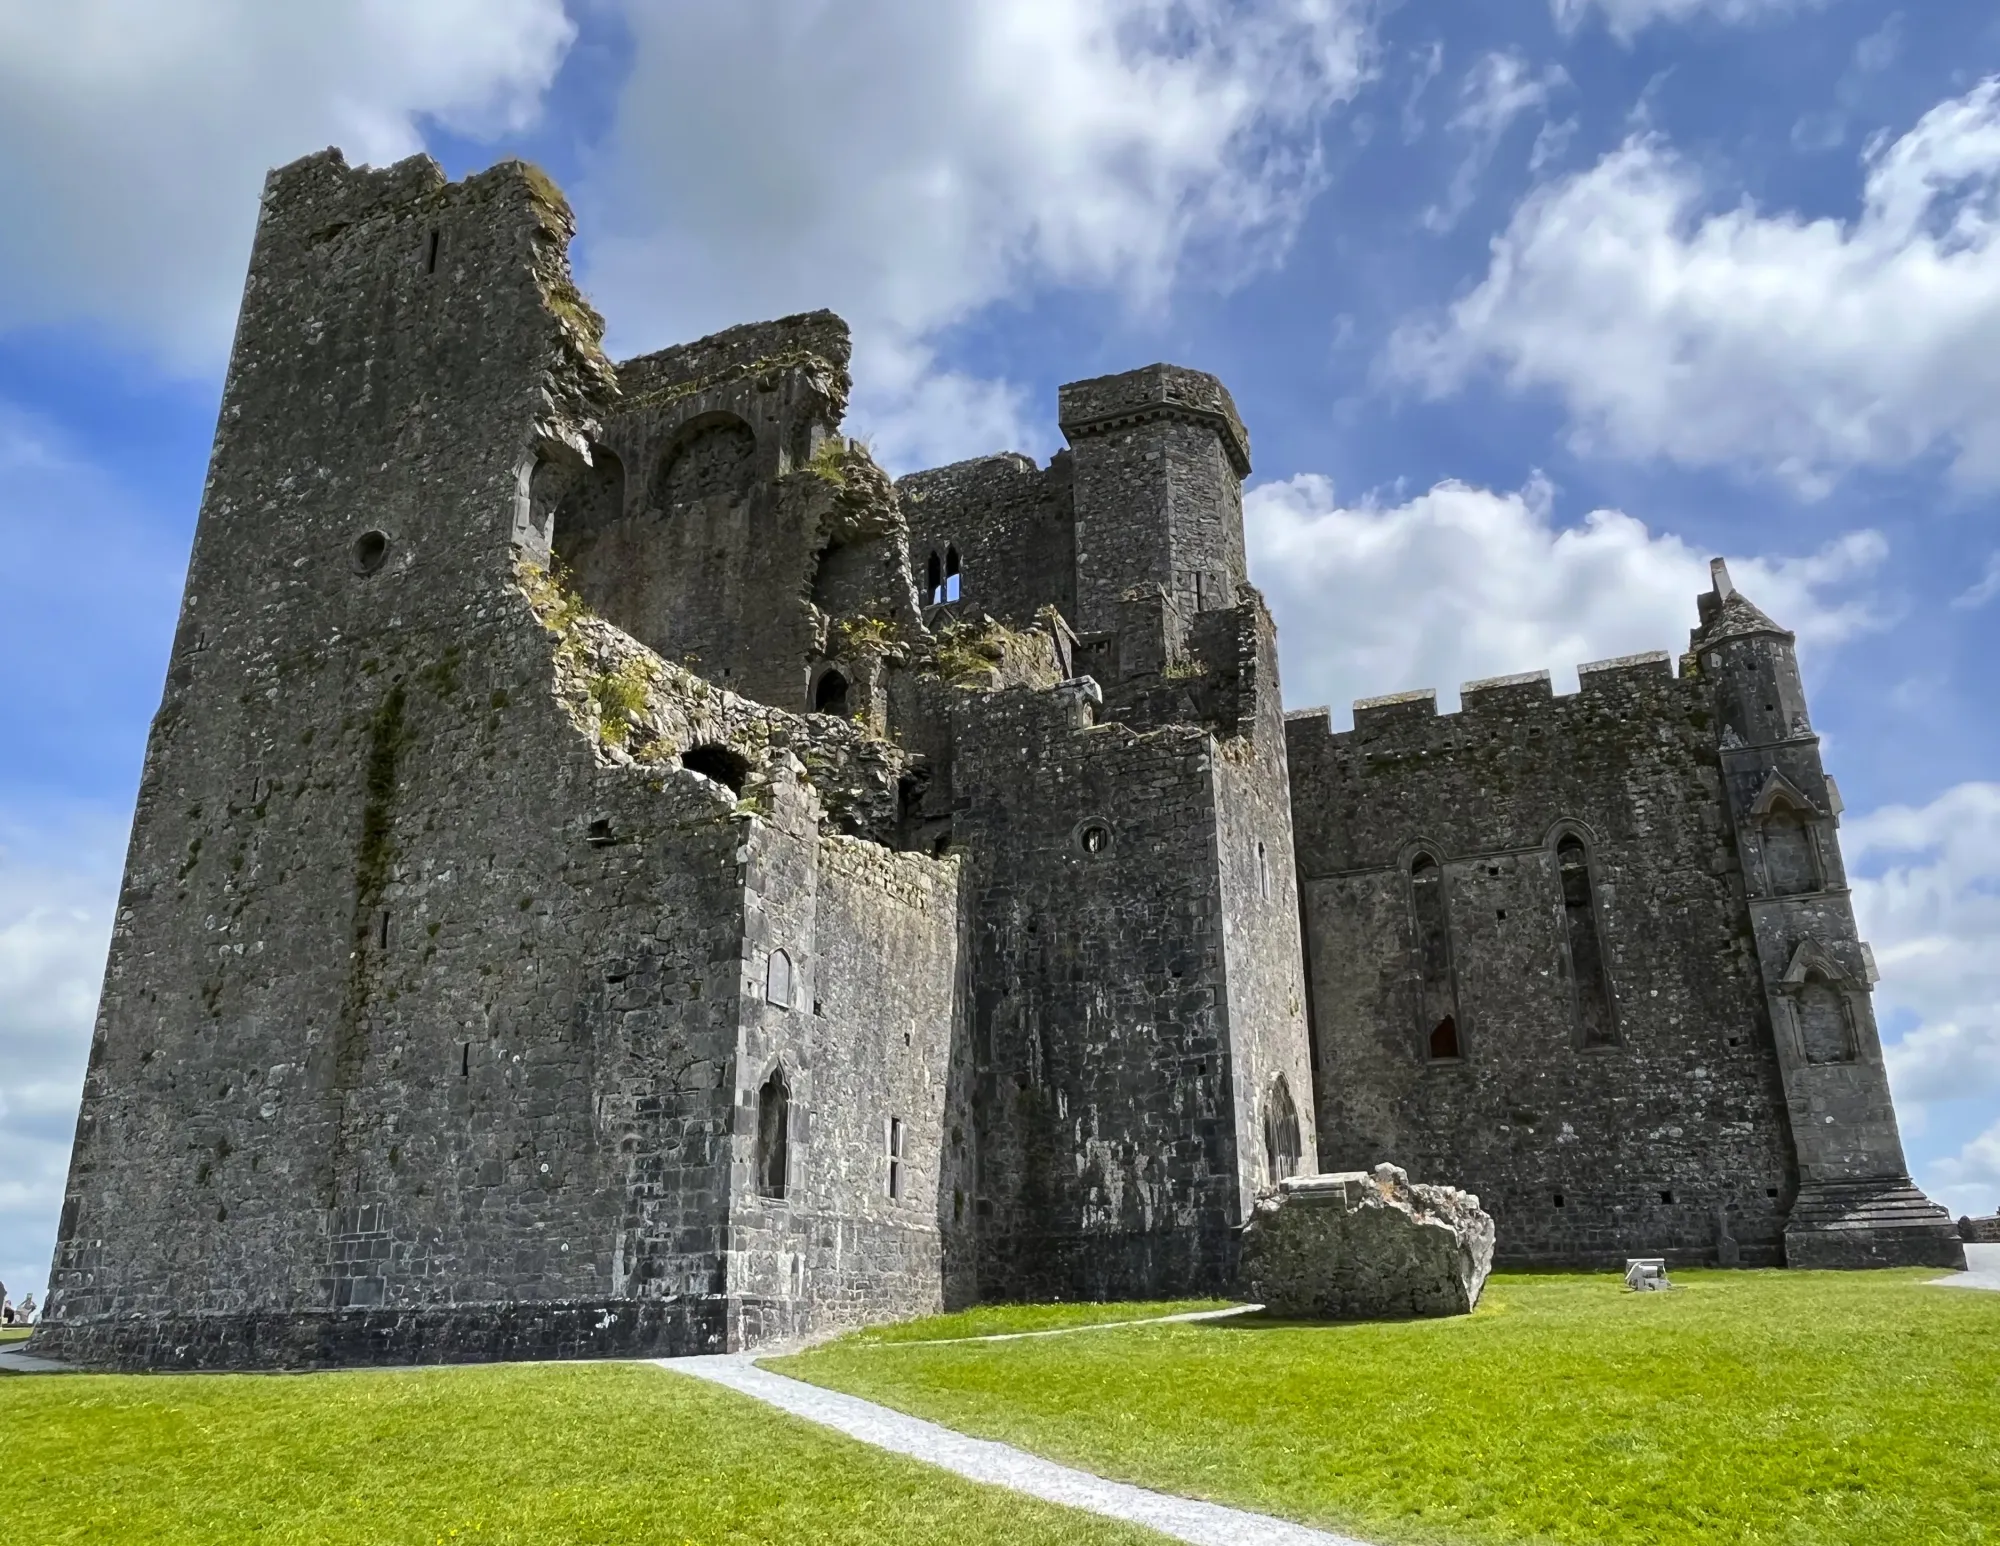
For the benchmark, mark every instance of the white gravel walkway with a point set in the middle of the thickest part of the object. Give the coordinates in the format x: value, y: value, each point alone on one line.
x: 1001, y: 1465
x: 1982, y: 1270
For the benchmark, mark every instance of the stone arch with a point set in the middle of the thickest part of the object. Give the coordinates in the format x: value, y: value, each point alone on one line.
x: 774, y: 1122
x: 710, y: 457
x: 1583, y: 943
x: 716, y: 761
x: 830, y: 693
x: 1283, y: 1146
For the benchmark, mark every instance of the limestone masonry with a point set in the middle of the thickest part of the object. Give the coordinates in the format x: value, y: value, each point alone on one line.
x: 613, y: 872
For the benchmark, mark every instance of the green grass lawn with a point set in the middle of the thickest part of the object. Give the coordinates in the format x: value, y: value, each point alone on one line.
x: 1744, y: 1407
x: 14, y: 1334
x: 512, y: 1453
x: 988, y: 1320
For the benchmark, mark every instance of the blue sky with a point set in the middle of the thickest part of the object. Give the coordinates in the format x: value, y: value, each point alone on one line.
x: 1530, y: 306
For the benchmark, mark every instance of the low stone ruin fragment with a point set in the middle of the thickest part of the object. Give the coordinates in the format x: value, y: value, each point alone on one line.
x: 1362, y: 1245
x: 1646, y: 1274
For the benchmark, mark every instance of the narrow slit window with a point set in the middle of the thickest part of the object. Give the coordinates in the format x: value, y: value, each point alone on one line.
x: 895, y: 1157
x: 951, y: 575
x: 1263, y: 873
x: 1437, y: 995
x: 431, y: 253
x: 934, y: 581
x: 465, y: 1061
x: 774, y: 1117
x: 1596, y: 1025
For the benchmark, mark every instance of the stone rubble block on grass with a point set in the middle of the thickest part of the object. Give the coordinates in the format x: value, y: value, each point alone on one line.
x: 1360, y: 1245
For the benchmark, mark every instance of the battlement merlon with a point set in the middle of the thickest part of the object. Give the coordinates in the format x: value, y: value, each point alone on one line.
x: 1105, y: 403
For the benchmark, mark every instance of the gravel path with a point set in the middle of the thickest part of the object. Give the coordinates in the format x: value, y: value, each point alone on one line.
x: 1982, y: 1270
x: 1001, y: 1465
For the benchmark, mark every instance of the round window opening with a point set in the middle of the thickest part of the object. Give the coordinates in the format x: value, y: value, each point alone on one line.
x: 1093, y: 837
x: 371, y: 551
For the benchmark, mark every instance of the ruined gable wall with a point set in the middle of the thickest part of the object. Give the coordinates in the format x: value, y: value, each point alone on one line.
x: 1687, y: 1104
x: 419, y: 1010
x: 739, y: 533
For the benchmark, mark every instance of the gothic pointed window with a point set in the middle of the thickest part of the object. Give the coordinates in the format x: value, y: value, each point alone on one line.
x: 830, y: 696
x: 934, y: 581
x: 774, y: 1120
x: 950, y: 574
x: 1589, y: 983
x: 1437, y: 997
x: 1282, y: 1145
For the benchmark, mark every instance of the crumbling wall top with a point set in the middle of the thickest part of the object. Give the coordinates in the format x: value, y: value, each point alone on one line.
x: 814, y: 341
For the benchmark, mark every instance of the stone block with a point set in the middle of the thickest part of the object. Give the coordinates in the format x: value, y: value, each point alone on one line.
x: 1361, y: 1245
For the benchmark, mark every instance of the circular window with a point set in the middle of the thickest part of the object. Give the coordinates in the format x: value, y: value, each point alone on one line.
x: 371, y: 551
x: 1093, y: 837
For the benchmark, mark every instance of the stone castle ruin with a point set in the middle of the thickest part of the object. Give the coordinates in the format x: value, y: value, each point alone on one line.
x: 613, y: 872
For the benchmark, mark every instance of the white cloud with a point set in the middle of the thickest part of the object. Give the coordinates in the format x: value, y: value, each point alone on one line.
x: 58, y: 880
x: 909, y: 162
x: 1626, y: 18
x: 134, y: 136
x: 1799, y: 347
x: 1461, y: 583
x: 1927, y: 896
x: 1498, y: 89
x: 1969, y: 1181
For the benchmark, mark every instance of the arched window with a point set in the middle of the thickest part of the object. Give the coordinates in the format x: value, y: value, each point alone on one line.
x: 934, y: 580
x: 1437, y: 998
x: 718, y: 763
x: 778, y: 980
x: 774, y: 1119
x: 950, y: 574
x: 1596, y: 1024
x: 1282, y: 1147
x: 1791, y: 864
x: 710, y: 458
x: 1825, y: 1030
x: 830, y: 696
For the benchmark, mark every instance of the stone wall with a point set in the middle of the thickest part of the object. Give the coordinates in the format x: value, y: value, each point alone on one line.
x: 1584, y: 1145
x: 1012, y: 527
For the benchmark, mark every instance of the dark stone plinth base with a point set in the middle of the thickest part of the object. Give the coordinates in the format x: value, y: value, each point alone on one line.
x: 462, y: 1333
x: 1886, y: 1223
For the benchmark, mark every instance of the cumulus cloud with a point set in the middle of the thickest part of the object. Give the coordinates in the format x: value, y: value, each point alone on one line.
x: 1927, y: 895
x: 1803, y: 348
x: 1627, y: 18
x: 1460, y: 583
x: 909, y: 162
x: 58, y: 882
x: 134, y: 136
x: 1969, y: 1181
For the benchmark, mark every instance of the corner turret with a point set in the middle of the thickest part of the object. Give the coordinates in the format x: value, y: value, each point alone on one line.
x: 1856, y: 1205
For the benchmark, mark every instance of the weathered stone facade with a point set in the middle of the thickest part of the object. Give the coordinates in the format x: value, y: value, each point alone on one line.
x: 612, y: 872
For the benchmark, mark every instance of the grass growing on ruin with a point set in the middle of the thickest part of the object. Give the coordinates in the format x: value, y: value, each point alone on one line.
x: 516, y: 1453
x: 1784, y: 1409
